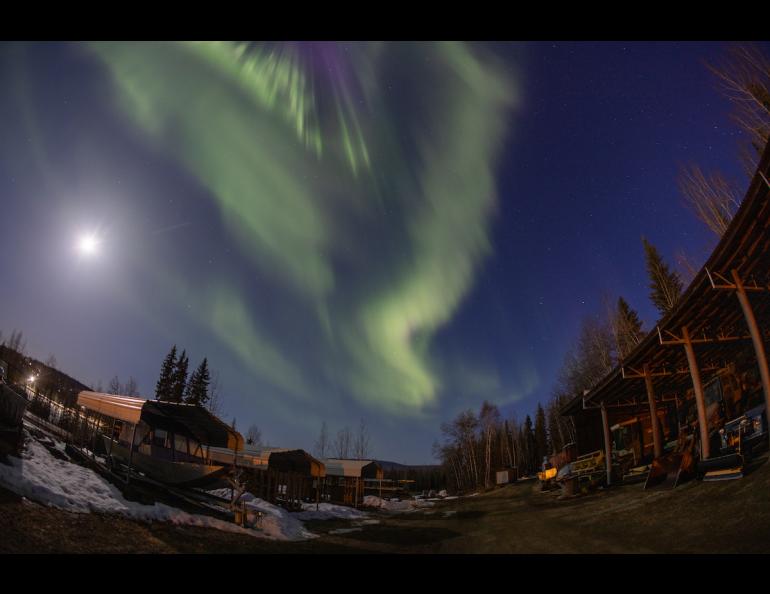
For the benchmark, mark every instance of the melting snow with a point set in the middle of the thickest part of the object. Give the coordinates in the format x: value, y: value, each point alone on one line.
x: 396, y: 505
x: 41, y: 477
x: 328, y: 511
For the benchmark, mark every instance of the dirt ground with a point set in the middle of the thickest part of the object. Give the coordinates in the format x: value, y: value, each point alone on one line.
x: 722, y: 517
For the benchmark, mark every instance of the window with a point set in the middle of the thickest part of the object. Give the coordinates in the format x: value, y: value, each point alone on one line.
x: 159, y: 438
x: 195, y: 449
x: 180, y: 443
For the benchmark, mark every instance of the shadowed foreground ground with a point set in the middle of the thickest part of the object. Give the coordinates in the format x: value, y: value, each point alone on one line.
x: 731, y: 516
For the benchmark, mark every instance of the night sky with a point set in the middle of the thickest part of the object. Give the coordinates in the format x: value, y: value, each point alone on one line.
x: 393, y: 232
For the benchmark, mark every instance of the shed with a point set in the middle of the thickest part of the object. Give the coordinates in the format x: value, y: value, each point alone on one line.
x: 345, y: 479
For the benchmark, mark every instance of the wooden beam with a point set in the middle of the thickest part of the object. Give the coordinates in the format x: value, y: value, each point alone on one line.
x: 618, y: 405
x: 678, y: 371
x: 676, y: 341
x: 756, y: 337
x: 698, y: 389
x: 641, y: 374
x: 657, y: 444
x: 607, y: 444
x: 733, y: 286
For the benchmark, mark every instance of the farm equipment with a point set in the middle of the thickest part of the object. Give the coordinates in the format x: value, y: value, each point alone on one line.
x: 739, y: 439
x: 584, y: 474
x: 556, y: 466
x: 547, y: 475
x: 667, y: 471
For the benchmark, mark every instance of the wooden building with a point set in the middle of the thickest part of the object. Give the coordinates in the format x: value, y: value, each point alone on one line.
x: 279, y: 475
x: 704, y: 363
x: 346, y: 479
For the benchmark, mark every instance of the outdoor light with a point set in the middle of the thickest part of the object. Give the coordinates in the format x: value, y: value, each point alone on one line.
x: 31, y: 378
x: 87, y: 244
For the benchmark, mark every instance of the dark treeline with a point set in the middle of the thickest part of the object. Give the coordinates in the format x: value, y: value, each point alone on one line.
x: 42, y: 378
x: 345, y: 443
x: 475, y: 446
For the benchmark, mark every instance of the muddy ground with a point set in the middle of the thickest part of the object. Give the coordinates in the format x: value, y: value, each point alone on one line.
x: 730, y: 516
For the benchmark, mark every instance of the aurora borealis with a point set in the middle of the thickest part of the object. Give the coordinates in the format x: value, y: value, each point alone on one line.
x: 300, y: 184
x: 345, y: 230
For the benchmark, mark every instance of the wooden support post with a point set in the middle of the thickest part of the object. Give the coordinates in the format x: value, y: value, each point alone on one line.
x: 131, y: 453
x: 756, y: 336
x: 112, y: 436
x: 697, y: 386
x: 607, y: 444
x: 656, y: 441
x: 97, y: 423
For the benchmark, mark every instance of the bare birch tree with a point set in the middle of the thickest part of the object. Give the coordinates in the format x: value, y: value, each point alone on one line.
x: 130, y: 388
x: 489, y: 418
x: 361, y: 444
x: 712, y: 199
x: 744, y: 78
x: 323, y: 443
x: 254, y: 436
x: 687, y: 267
x: 342, y: 443
x: 114, y: 386
x: 215, y: 403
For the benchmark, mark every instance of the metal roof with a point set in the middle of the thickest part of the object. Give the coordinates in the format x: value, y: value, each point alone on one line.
x: 712, y: 316
x: 249, y: 455
x: 124, y: 408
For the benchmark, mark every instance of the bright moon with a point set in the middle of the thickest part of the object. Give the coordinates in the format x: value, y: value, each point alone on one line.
x: 87, y: 245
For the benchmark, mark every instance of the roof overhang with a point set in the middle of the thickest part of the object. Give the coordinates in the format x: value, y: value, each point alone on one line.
x: 709, y: 310
x: 124, y: 408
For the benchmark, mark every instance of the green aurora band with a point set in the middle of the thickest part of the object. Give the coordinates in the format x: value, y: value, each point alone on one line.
x: 370, y: 205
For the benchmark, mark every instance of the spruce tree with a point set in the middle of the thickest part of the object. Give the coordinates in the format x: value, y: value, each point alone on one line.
x: 541, y: 434
x: 198, y: 386
x: 190, y: 388
x: 665, y: 284
x: 529, y: 446
x: 179, y: 378
x: 165, y: 382
x: 628, y: 328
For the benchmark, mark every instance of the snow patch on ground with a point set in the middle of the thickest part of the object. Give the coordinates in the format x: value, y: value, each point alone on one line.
x: 225, y: 493
x: 328, y: 511
x: 396, y: 505
x: 41, y: 477
x: 275, y: 522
